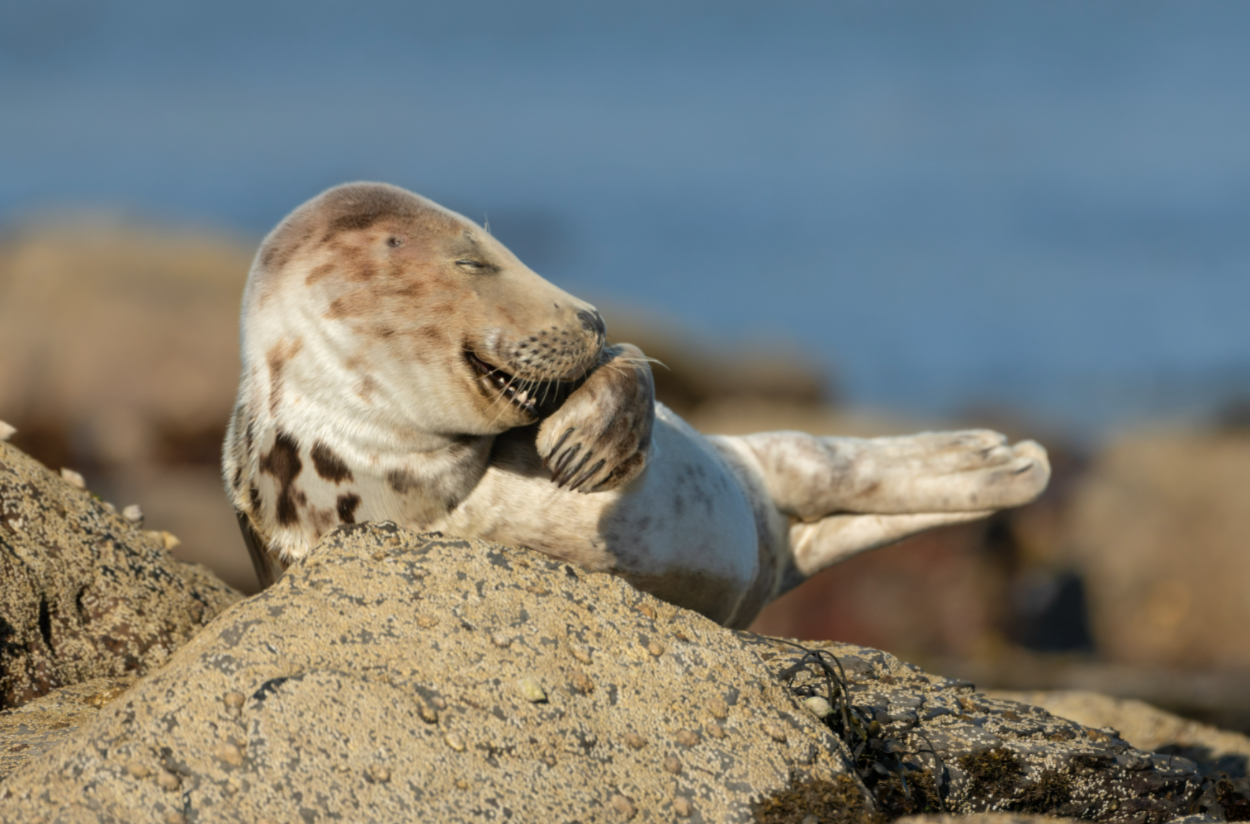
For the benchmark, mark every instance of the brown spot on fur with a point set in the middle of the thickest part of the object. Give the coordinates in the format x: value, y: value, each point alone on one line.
x: 284, y: 465
x: 329, y: 465
x: 361, y: 271
x: 347, y: 507
x: 322, y: 519
x: 283, y: 246
x: 401, y: 480
x: 363, y: 219
x: 366, y: 388
x: 432, y: 334
x: 318, y: 273
x: 353, y: 304
x: 278, y: 357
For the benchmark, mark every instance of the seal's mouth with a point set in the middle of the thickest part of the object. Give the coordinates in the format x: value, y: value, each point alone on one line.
x: 533, y: 397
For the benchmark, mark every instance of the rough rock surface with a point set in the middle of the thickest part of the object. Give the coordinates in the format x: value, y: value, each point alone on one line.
x: 1148, y: 728
x: 392, y: 677
x: 981, y: 754
x: 396, y: 677
x: 37, y: 726
x: 83, y: 592
x: 1222, y: 756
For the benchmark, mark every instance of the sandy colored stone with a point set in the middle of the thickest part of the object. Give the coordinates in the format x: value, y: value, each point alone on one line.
x: 83, y: 592
x: 334, y: 664
x: 336, y: 668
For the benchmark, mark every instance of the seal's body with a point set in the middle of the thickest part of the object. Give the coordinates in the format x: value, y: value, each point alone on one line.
x: 396, y: 358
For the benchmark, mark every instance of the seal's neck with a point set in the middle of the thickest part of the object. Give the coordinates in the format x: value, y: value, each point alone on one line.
x: 314, y: 444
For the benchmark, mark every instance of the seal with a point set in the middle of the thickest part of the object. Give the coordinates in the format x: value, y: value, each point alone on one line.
x: 399, y: 363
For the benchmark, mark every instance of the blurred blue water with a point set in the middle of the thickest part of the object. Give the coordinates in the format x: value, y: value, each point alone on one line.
x: 1039, y: 205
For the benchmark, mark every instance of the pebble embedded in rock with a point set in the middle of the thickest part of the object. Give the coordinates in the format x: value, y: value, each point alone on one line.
x: 138, y: 769
x: 718, y: 708
x: 580, y: 652
x: 73, y: 478
x: 167, y: 781
x: 134, y: 514
x: 500, y: 640
x: 655, y: 648
x: 716, y: 731
x: 165, y: 539
x: 531, y: 690
x: 234, y: 699
x: 686, y: 738
x: 229, y: 753
x: 817, y: 706
x: 671, y: 764
x: 775, y: 732
x: 454, y: 741
x: 582, y: 682
x: 635, y: 741
x: 624, y: 806
x: 378, y: 773
x: 682, y: 806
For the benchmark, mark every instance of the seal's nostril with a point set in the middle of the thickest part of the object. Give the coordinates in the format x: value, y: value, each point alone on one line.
x: 593, y: 322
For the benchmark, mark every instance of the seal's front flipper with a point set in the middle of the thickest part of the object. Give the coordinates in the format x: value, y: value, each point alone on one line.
x: 600, y: 437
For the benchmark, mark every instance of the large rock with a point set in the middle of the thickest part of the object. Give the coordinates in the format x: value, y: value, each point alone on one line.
x: 84, y: 593
x: 120, y: 340
x: 1161, y: 528
x: 398, y: 677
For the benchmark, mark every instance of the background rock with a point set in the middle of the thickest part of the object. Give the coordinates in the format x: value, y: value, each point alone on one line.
x: 394, y: 677
x: 1161, y: 529
x: 83, y: 592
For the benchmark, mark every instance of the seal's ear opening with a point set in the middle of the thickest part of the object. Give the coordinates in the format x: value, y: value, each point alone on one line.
x: 269, y: 567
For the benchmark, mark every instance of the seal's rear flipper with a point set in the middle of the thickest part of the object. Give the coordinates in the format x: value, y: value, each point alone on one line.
x: 269, y: 567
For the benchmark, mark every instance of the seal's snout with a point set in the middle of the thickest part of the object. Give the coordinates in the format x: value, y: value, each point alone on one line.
x: 593, y: 322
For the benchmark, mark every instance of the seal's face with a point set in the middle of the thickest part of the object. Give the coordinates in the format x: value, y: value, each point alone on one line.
x: 432, y: 320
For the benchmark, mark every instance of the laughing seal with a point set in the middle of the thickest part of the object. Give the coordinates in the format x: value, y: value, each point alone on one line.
x: 400, y: 364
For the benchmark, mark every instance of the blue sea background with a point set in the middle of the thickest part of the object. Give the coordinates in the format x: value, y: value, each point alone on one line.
x: 1035, y: 206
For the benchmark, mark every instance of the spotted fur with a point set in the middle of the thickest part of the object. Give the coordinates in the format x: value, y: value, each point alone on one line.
x: 401, y: 364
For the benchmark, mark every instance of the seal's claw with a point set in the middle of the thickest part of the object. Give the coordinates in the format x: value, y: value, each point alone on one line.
x: 600, y: 436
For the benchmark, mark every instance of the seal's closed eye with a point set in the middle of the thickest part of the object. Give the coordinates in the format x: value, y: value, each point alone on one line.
x: 476, y: 266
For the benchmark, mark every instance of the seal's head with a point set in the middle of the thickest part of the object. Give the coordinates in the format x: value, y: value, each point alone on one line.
x: 430, y: 323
